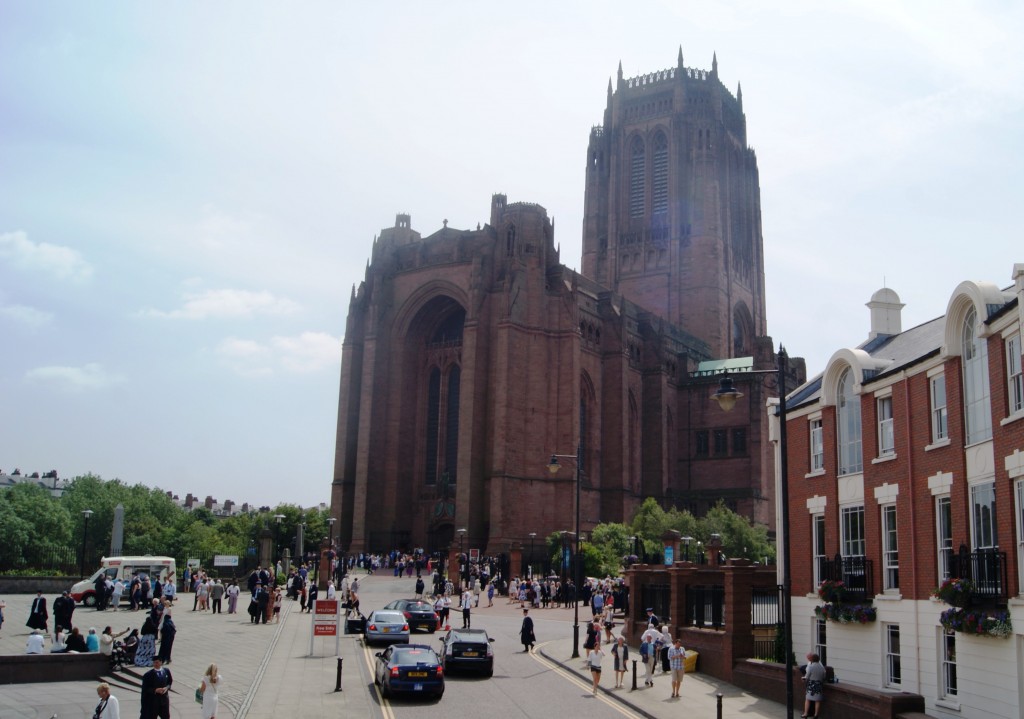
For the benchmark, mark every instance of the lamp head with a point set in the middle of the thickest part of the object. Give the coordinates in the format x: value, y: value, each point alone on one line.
x: 727, y: 394
x: 553, y: 465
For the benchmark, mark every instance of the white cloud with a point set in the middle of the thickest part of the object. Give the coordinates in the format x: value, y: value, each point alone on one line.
x: 75, y: 379
x: 309, y: 352
x: 61, y: 262
x: 301, y: 354
x: 221, y: 304
x: 25, y: 315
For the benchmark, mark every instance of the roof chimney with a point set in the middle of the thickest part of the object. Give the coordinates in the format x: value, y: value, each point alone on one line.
x: 885, y: 309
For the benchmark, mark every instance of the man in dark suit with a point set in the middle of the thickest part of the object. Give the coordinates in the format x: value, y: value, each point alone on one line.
x: 156, y: 687
x: 38, y: 615
x: 63, y: 608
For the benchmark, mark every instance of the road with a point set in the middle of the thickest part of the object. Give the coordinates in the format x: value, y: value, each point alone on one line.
x: 523, y: 685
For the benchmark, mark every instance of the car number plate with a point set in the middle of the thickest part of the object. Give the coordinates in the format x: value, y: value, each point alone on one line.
x: 417, y: 674
x: 417, y: 687
x: 471, y: 654
x: 385, y: 630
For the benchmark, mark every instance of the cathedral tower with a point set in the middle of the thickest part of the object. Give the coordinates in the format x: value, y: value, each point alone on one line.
x: 672, y: 215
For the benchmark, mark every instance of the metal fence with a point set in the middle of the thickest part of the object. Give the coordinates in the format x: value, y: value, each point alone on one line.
x: 855, y: 573
x: 704, y: 606
x: 986, y: 568
x: 657, y: 597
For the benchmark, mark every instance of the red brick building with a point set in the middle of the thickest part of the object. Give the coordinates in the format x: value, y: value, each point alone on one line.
x: 906, y: 467
x: 471, y: 356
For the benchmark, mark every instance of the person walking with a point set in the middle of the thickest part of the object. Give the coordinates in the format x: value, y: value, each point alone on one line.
x: 467, y: 604
x: 666, y: 643
x: 233, y: 591
x: 814, y: 677
x: 167, y: 633
x: 216, y: 596
x: 526, y: 635
x: 37, y: 615
x: 620, y: 651
x: 212, y: 683
x: 63, y: 608
x: 677, y: 659
x: 649, y: 653
x: 108, y: 708
x: 156, y: 685
x: 594, y: 661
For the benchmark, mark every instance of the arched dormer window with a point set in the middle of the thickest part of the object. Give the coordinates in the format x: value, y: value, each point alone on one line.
x: 636, y: 178
x: 848, y: 424
x: 974, y: 356
x: 659, y: 184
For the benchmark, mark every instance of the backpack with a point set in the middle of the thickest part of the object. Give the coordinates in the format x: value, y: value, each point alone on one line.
x: 645, y: 649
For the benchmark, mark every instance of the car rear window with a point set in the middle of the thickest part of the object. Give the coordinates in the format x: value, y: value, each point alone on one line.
x: 421, y: 606
x: 418, y: 654
x: 396, y: 617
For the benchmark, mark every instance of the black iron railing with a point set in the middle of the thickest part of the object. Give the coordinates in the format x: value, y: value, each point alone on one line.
x: 657, y: 597
x: 704, y: 606
x: 986, y: 568
x: 856, y: 574
x: 764, y: 606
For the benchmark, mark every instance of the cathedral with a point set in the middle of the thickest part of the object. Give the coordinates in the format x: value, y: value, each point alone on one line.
x: 472, y: 356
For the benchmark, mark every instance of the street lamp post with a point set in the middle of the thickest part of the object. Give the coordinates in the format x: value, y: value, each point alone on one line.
x: 532, y: 536
x: 553, y: 467
x: 85, y: 535
x: 277, y: 540
x: 726, y: 397
x: 462, y: 535
x: 686, y: 548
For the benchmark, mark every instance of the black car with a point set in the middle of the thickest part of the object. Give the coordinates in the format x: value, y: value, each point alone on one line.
x: 409, y: 669
x: 469, y: 649
x: 419, y: 614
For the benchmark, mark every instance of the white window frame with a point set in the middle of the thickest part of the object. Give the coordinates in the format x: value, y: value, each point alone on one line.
x: 944, y: 534
x: 984, y: 533
x: 821, y: 640
x: 1014, y: 375
x: 893, y: 669
x: 940, y: 420
x: 886, y: 428
x: 947, y: 664
x: 851, y: 544
x: 890, y: 548
x: 818, y: 553
x: 817, y: 445
x: 1018, y: 490
x: 848, y: 430
x: 977, y: 397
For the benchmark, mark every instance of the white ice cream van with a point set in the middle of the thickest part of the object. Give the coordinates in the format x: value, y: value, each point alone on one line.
x: 123, y: 568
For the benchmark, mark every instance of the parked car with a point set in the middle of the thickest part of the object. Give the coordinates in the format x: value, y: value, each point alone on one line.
x: 468, y: 649
x: 409, y: 669
x: 386, y: 626
x: 419, y: 614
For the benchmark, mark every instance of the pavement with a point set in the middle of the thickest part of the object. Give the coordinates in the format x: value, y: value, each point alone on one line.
x: 269, y: 667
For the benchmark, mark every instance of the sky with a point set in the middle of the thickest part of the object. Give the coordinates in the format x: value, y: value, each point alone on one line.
x: 189, y: 191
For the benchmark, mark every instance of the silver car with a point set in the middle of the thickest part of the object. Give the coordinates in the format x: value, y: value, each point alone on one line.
x: 386, y: 626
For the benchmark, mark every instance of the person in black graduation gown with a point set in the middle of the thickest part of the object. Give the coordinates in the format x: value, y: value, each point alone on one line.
x: 526, y: 635
x: 38, y: 615
x: 156, y: 687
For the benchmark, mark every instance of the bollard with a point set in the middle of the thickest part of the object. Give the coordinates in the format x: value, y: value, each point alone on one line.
x: 719, y: 697
x: 337, y: 685
x: 634, y: 676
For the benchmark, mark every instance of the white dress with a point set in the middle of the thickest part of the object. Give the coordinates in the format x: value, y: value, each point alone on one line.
x: 211, y: 695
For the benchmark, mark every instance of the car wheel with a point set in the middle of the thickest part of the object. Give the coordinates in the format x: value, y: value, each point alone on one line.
x: 89, y: 600
x: 489, y: 673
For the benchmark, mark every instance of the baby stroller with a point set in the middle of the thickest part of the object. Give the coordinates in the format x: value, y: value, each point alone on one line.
x: 123, y: 653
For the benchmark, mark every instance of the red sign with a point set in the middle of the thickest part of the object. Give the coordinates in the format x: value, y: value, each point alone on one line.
x: 326, y: 606
x: 325, y: 630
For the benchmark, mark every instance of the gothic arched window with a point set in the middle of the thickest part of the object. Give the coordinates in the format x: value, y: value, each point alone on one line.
x: 433, y: 428
x: 659, y: 186
x: 636, y: 178
x: 451, y: 423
